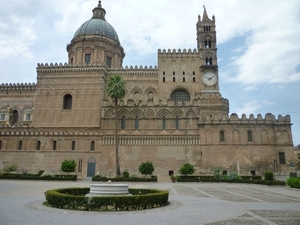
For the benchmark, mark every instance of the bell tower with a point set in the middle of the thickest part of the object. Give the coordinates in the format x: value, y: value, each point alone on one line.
x: 212, y: 105
x: 207, y: 47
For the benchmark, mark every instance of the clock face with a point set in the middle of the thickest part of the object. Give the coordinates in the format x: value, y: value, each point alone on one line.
x: 209, y: 79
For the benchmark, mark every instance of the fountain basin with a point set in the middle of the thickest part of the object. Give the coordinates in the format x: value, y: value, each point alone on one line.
x: 108, y: 189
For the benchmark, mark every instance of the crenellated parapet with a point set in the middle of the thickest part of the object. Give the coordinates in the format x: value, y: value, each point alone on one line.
x: 233, y: 119
x: 135, y: 73
x: 178, y: 53
x: 17, y: 87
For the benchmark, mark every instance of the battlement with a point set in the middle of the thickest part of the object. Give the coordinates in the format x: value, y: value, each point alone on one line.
x: 177, y: 53
x: 18, y: 87
x: 234, y: 119
x: 66, y: 65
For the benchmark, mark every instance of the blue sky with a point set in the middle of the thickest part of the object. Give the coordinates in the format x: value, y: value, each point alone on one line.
x: 258, y: 43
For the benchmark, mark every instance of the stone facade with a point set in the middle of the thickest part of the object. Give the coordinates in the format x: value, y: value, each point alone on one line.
x: 171, y: 114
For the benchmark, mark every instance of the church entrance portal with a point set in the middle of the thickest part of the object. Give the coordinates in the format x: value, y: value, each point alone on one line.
x: 91, y: 167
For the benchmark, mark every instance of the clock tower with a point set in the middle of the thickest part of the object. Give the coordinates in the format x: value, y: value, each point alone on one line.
x: 207, y: 47
x: 212, y: 105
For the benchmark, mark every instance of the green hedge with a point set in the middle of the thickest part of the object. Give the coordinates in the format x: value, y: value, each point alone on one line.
x: 293, y: 182
x: 36, y: 177
x: 120, y: 179
x: 74, y: 198
x: 263, y: 182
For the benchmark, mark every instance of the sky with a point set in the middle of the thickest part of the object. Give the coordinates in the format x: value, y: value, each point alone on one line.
x: 258, y: 43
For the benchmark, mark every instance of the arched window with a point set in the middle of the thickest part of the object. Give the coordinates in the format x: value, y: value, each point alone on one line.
x: 136, y: 123
x: 73, y: 145
x: 20, y: 145
x: 123, y: 123
x: 180, y: 96
x: 15, y: 116
x: 92, y: 145
x: 67, y: 104
x: 164, y: 123
x: 222, y: 136
x: 0, y: 145
x: 38, y: 145
x: 250, y: 138
x: 54, y: 145
x: 177, y: 123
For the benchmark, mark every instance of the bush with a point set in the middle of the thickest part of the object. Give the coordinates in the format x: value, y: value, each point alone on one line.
x: 74, y: 198
x: 187, y: 169
x: 36, y: 177
x: 146, y: 168
x: 68, y: 166
x: 293, y: 182
x: 10, y: 167
x: 269, y: 176
x: 231, y: 176
x: 217, y: 172
x: 125, y: 174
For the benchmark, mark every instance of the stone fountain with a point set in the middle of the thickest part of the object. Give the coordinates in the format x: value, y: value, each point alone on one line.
x: 108, y: 189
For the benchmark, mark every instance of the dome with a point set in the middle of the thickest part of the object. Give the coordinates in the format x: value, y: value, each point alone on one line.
x: 97, y: 26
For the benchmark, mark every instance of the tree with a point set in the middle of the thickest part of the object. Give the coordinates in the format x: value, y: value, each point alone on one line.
x: 187, y: 169
x: 68, y: 166
x: 10, y: 167
x: 146, y: 168
x: 116, y: 90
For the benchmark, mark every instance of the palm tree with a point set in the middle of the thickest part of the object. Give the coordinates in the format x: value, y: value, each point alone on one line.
x: 116, y: 90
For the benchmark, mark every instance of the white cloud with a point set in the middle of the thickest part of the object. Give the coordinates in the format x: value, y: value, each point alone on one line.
x: 19, y: 43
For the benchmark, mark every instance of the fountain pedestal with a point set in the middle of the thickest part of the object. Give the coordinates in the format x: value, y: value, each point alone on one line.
x: 108, y: 189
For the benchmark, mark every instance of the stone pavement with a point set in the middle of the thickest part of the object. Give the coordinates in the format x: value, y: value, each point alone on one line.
x: 191, y: 204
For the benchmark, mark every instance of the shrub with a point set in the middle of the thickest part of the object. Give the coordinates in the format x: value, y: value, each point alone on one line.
x: 293, y: 182
x: 68, y: 166
x: 269, y: 176
x: 10, y: 167
x: 125, y: 174
x: 231, y: 176
x: 146, y: 168
x: 187, y: 169
x: 217, y: 172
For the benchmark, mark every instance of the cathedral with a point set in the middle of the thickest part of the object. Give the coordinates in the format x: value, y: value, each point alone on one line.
x: 172, y: 113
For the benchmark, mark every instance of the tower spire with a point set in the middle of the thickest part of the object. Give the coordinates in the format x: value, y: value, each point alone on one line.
x: 99, y: 4
x: 204, y: 13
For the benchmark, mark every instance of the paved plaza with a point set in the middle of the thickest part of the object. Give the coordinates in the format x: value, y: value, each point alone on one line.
x: 21, y: 202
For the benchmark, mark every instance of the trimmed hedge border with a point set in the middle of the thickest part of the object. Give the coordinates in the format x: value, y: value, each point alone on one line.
x: 120, y: 179
x: 36, y: 177
x: 247, y: 181
x: 74, y: 199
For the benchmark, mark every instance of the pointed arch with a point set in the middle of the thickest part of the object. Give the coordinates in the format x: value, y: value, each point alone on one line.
x: 236, y: 136
x: 163, y: 112
x: 150, y: 114
x: 190, y: 113
x: 208, y: 137
x: 137, y: 112
x: 177, y: 112
x: 264, y: 136
x: 109, y: 114
x: 123, y: 112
